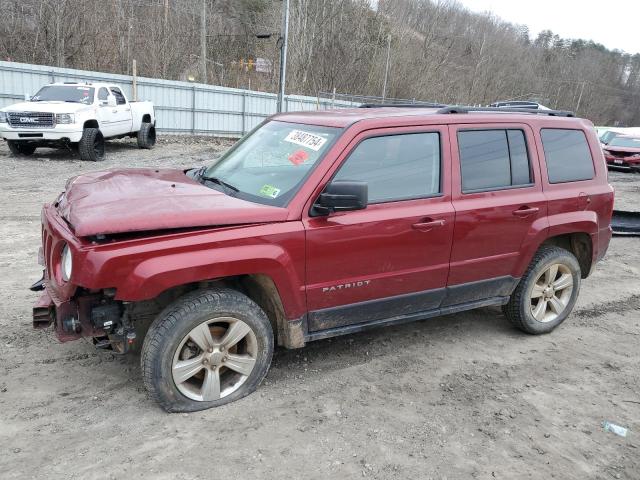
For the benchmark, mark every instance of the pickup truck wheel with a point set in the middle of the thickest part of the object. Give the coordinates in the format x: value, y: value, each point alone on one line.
x: 91, y: 146
x: 208, y: 348
x: 21, y: 148
x: 147, y: 136
x: 546, y: 293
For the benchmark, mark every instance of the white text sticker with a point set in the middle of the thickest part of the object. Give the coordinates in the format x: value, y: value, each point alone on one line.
x: 306, y: 139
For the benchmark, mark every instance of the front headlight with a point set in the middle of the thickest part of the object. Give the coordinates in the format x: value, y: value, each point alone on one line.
x: 65, y: 118
x: 66, y: 263
x: 3, y: 117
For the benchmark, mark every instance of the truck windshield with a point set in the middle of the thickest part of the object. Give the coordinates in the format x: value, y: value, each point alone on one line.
x: 269, y: 165
x: 64, y: 93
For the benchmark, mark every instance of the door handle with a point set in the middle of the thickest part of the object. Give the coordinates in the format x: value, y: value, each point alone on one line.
x: 426, y: 226
x: 526, y: 211
x: 115, y: 110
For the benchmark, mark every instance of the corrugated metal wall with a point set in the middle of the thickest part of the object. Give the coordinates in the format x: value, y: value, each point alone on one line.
x: 181, y: 107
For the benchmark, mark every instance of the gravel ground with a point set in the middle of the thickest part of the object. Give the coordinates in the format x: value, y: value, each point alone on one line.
x: 460, y: 396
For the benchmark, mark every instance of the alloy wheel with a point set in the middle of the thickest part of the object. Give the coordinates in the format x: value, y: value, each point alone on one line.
x: 214, y: 359
x: 551, y: 293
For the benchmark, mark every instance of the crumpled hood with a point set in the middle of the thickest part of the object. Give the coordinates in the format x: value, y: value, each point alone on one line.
x: 56, y: 107
x: 134, y: 200
x: 622, y: 149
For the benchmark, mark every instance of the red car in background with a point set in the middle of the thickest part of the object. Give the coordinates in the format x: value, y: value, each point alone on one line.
x: 623, y: 151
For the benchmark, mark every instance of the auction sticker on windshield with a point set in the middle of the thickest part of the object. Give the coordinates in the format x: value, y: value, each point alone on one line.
x: 298, y: 157
x: 306, y: 139
x: 269, y: 191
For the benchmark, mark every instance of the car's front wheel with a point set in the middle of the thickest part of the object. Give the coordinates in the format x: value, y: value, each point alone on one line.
x: 21, y: 149
x: 546, y: 293
x: 208, y: 348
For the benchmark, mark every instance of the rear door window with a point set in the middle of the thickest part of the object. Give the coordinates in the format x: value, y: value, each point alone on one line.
x: 493, y: 159
x: 120, y: 100
x: 567, y: 155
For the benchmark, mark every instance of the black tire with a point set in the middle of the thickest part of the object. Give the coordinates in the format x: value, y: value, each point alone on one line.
x: 91, y: 146
x: 172, y: 326
x: 21, y: 149
x: 147, y: 136
x: 519, y: 309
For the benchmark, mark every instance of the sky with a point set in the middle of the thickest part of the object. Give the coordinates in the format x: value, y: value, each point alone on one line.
x: 613, y: 23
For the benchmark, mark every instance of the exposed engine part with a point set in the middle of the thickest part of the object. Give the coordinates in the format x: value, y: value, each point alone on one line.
x: 71, y: 325
x: 121, y: 334
x: 106, y: 317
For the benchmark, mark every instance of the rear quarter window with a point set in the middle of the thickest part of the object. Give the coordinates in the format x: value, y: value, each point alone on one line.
x: 567, y: 155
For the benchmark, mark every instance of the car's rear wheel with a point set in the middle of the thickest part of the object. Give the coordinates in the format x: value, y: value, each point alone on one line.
x: 21, y: 149
x: 147, y: 135
x: 546, y: 293
x: 91, y: 146
x: 209, y: 348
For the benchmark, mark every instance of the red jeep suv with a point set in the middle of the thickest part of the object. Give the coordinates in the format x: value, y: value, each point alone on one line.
x: 321, y: 224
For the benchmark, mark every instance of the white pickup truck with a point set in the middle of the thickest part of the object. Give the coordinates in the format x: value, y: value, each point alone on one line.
x: 78, y: 116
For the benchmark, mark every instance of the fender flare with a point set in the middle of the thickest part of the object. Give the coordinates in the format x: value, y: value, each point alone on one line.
x: 560, y: 224
x: 152, y: 276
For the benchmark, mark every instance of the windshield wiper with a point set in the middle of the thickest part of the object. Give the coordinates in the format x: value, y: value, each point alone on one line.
x: 73, y: 101
x: 205, y: 178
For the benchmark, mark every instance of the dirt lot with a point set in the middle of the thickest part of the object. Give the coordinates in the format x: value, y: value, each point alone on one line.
x: 461, y: 396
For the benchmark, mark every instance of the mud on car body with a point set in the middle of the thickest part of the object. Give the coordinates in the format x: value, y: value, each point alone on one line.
x: 322, y: 224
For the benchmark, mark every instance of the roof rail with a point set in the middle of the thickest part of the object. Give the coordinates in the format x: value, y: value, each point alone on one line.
x: 551, y: 113
x: 403, y: 105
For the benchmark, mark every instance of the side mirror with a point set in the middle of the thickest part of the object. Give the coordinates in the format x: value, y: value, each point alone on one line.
x: 341, y: 196
x: 111, y: 101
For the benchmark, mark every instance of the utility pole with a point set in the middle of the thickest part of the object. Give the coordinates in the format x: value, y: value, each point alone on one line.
x: 203, y: 42
x: 386, y: 70
x: 134, y: 81
x: 129, y: 46
x: 580, y: 97
x: 284, y: 36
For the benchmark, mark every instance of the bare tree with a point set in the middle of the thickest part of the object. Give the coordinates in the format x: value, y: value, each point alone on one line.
x: 440, y: 51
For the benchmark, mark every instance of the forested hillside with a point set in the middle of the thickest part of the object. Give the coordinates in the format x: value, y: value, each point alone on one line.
x: 439, y: 50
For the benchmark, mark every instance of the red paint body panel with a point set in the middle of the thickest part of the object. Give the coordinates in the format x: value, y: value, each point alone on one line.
x: 488, y: 236
x: 135, y: 200
x: 479, y: 238
x: 584, y: 206
x: 379, y: 244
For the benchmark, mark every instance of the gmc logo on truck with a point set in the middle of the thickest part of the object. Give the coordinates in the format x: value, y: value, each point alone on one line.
x: 28, y: 120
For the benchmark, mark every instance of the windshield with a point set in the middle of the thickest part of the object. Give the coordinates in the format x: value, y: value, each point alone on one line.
x: 64, y: 93
x: 632, y: 142
x: 268, y: 165
x: 607, y: 136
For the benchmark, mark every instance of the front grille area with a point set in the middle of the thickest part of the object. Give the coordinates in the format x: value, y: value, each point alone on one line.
x: 31, y: 119
x: 623, y: 154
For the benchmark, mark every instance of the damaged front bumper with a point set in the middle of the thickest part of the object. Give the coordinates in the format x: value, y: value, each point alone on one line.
x: 92, y: 315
